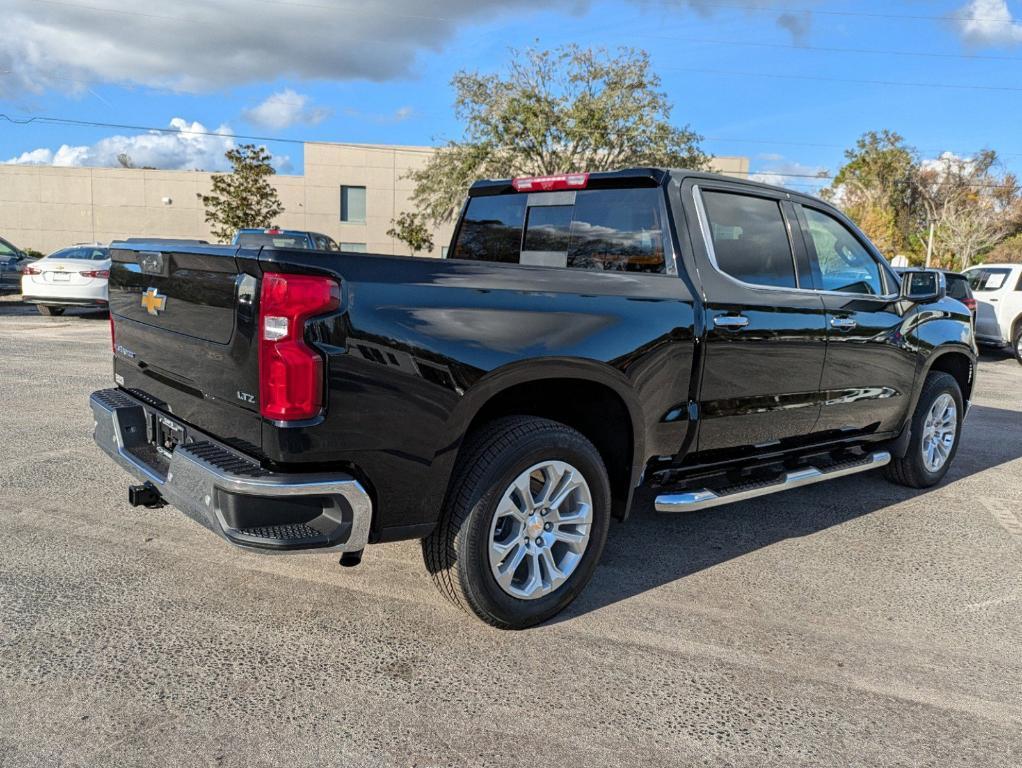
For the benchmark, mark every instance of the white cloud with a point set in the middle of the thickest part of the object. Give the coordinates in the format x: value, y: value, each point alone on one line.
x: 195, y: 45
x: 188, y: 146
x: 984, y: 23
x: 791, y: 174
x: 284, y: 109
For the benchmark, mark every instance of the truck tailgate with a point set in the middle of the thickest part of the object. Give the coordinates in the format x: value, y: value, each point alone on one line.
x: 184, y: 328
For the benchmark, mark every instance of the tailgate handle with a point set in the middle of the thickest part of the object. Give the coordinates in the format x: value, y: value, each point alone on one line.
x: 730, y: 321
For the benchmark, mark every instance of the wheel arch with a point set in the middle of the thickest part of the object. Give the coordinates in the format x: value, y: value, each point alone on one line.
x: 593, y: 398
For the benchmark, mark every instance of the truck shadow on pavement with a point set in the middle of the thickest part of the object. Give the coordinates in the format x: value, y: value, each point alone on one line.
x: 11, y: 308
x: 652, y: 549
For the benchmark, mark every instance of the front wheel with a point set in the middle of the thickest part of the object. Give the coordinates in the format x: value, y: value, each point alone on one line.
x: 524, y: 524
x: 936, y: 432
x: 1016, y: 344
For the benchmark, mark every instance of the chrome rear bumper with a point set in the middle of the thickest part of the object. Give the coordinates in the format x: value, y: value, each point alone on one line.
x: 230, y: 493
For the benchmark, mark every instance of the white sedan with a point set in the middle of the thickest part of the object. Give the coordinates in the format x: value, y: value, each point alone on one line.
x: 71, y: 277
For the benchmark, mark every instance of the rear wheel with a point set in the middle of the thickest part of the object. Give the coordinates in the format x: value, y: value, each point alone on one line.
x: 49, y: 311
x: 1016, y: 343
x: 524, y: 524
x: 936, y: 432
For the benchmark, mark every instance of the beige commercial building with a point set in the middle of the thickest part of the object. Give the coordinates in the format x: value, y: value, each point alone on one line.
x: 350, y: 192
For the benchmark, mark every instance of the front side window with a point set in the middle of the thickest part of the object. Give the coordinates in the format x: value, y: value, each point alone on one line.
x: 750, y: 240
x: 844, y: 263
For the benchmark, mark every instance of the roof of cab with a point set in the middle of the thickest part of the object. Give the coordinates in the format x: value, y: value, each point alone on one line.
x: 644, y: 176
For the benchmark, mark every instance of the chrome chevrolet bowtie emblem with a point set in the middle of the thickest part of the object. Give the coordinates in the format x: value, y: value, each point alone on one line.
x: 154, y: 301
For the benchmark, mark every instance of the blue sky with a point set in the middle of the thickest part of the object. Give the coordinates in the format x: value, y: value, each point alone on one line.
x: 788, y: 83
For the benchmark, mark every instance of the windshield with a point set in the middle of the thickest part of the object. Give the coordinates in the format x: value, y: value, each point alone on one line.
x: 87, y: 253
x: 283, y: 240
x: 988, y: 278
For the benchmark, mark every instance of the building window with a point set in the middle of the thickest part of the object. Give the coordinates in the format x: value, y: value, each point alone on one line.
x: 353, y: 204
x: 443, y: 251
x: 354, y: 247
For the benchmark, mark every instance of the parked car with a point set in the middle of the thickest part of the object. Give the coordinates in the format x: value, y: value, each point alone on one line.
x: 957, y: 287
x: 70, y: 277
x: 998, y: 292
x: 716, y: 338
x: 284, y: 238
x: 12, y: 261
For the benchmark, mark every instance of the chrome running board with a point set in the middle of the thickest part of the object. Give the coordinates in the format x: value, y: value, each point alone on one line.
x: 690, y: 501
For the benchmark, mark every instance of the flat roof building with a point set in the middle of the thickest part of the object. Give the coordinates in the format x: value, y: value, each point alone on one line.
x: 350, y: 192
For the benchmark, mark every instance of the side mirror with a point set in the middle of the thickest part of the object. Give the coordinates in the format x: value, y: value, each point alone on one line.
x: 923, y: 285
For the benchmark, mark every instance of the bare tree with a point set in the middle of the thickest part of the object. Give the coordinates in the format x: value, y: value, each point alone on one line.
x: 969, y: 206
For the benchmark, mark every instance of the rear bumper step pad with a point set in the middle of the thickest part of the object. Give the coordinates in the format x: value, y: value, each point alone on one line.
x: 230, y: 493
x: 692, y: 500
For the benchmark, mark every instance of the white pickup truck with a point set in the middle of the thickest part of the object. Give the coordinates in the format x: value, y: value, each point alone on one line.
x: 998, y: 292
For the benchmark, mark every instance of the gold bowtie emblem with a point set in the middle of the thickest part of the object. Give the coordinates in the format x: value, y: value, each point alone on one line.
x: 153, y: 301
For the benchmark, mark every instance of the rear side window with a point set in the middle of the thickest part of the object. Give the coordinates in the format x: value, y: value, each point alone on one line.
x: 491, y: 229
x: 750, y: 240
x: 596, y: 229
x: 957, y: 287
x: 988, y: 278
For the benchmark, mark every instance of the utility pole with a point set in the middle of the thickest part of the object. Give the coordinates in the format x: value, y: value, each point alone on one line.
x: 929, y: 246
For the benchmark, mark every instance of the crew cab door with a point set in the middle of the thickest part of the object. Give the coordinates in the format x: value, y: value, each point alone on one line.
x: 870, y: 369
x: 765, y: 333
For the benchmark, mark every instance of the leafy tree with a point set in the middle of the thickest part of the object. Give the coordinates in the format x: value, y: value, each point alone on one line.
x: 875, y: 188
x: 411, y: 229
x: 244, y: 197
x: 569, y: 109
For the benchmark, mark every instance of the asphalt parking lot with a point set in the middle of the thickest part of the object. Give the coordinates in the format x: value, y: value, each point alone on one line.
x: 851, y: 623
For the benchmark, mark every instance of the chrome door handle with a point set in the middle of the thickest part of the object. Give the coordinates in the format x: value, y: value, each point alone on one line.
x: 844, y: 323
x: 730, y: 321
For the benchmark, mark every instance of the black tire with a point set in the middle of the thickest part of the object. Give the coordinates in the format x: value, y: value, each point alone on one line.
x: 910, y: 470
x: 49, y: 311
x: 1016, y: 343
x: 457, y: 552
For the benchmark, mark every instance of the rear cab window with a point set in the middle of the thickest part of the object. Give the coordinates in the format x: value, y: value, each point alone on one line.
x: 615, y: 230
x: 263, y: 239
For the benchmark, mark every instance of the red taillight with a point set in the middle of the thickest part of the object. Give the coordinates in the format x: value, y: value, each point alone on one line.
x: 550, y: 183
x: 95, y: 273
x: 32, y: 271
x: 113, y: 333
x: 970, y: 303
x: 291, y: 372
x: 273, y: 231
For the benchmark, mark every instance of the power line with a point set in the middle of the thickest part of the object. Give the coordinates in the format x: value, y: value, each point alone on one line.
x: 853, y: 81
x: 854, y: 14
x: 828, y: 49
x: 425, y: 150
x: 28, y: 120
x: 352, y: 8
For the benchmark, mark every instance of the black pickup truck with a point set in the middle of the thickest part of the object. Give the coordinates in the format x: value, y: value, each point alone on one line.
x: 715, y: 338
